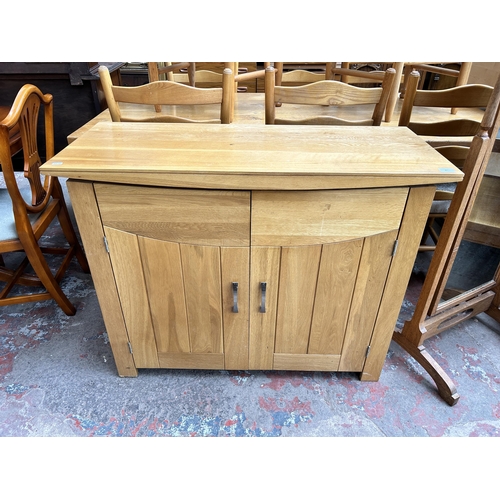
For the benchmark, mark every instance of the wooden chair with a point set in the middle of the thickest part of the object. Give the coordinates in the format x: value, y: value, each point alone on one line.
x: 465, y: 96
x: 326, y: 93
x: 358, y: 75
x: 169, y: 93
x: 157, y: 69
x: 28, y: 206
x: 208, y: 78
x: 434, y: 313
x: 332, y: 71
x: 460, y: 76
x: 297, y: 77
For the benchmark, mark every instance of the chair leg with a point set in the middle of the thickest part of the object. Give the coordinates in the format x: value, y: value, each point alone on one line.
x: 69, y: 230
x: 11, y: 277
x: 42, y: 270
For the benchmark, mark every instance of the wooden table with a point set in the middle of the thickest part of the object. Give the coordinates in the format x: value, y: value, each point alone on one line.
x: 250, y: 247
x: 249, y: 109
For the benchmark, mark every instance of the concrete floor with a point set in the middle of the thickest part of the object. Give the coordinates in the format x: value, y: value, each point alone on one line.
x: 58, y: 378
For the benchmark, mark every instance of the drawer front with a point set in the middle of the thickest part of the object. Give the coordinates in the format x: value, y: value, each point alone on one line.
x: 198, y: 217
x: 287, y: 218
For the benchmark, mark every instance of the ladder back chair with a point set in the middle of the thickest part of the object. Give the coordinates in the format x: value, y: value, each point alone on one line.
x: 28, y: 205
x: 356, y: 74
x: 207, y: 78
x: 326, y: 93
x: 460, y: 76
x: 165, y: 71
x: 457, y: 131
x: 169, y: 93
x: 156, y: 70
x: 296, y: 77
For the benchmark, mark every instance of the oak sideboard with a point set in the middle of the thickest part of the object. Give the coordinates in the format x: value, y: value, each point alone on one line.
x: 250, y: 247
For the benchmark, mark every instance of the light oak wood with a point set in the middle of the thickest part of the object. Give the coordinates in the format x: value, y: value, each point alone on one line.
x: 199, y: 361
x: 92, y: 233
x: 196, y: 217
x: 373, y: 268
x: 249, y: 109
x: 357, y: 76
x: 235, y: 266
x: 298, y: 278
x: 128, y: 274
x: 265, y: 266
x: 344, y: 72
x: 326, y: 93
x: 158, y: 71
x: 244, y: 156
x: 313, y: 217
x: 336, y: 280
x: 158, y: 93
x: 461, y: 75
x: 306, y: 362
x: 398, y: 277
x: 468, y: 96
x: 465, y: 96
x: 165, y: 287
x: 202, y: 290
x: 350, y: 265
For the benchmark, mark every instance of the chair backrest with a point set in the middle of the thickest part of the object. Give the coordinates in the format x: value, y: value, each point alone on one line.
x: 204, y: 78
x: 24, y: 116
x: 169, y: 93
x: 297, y: 77
x: 326, y: 93
x: 459, y: 76
x: 209, y: 78
x: 359, y: 73
x: 463, y: 96
x: 157, y: 69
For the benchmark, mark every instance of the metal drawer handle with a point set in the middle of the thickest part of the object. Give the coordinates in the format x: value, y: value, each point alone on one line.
x: 263, y: 288
x: 235, y: 297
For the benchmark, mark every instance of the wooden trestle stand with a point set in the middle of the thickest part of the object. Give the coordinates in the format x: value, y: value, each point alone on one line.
x: 433, y: 314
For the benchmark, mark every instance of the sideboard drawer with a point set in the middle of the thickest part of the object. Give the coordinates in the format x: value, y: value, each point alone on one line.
x: 319, y: 217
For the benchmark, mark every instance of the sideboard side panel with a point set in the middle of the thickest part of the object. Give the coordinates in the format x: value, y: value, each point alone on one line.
x: 415, y: 215
x: 91, y: 231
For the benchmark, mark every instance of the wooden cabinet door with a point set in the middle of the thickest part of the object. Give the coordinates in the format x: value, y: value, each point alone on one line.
x: 325, y: 256
x: 175, y: 254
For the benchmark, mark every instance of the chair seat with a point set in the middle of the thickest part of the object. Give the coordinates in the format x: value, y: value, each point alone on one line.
x: 440, y: 206
x: 7, y: 223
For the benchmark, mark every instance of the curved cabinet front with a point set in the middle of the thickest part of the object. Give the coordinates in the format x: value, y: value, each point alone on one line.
x: 238, y: 280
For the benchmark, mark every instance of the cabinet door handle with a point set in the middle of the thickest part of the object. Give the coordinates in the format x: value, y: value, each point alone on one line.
x: 263, y: 288
x: 235, y: 296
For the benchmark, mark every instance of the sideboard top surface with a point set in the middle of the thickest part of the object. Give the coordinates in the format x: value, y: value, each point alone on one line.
x: 252, y: 156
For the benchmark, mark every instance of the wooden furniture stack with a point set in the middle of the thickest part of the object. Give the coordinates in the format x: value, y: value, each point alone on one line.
x: 457, y: 131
